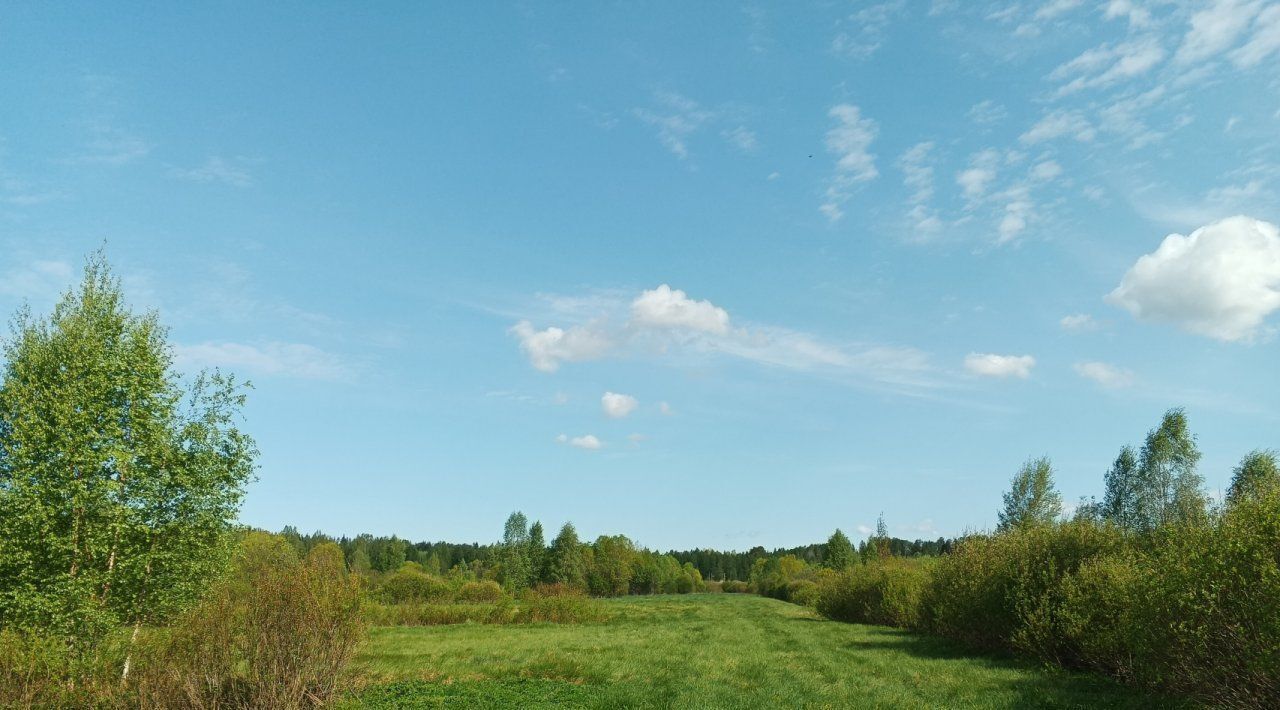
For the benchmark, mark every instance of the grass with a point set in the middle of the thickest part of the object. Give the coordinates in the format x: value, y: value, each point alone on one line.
x: 704, y: 651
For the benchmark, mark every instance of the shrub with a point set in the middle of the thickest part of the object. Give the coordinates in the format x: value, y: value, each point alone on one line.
x: 487, y: 591
x: 733, y: 586
x: 803, y: 592
x: 886, y: 592
x: 277, y: 634
x: 412, y: 585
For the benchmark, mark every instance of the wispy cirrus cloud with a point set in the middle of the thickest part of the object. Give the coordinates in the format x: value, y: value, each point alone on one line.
x: 271, y: 359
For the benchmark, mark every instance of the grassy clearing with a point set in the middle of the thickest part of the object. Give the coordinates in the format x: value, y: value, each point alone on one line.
x: 703, y: 651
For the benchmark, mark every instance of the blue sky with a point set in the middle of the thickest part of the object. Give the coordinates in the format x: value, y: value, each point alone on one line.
x: 713, y: 275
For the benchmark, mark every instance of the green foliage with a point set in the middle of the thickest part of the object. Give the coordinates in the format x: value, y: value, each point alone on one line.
x: 1032, y: 499
x: 839, y: 551
x: 1121, y: 505
x: 610, y: 567
x: 115, y: 497
x: 1169, y: 490
x: 1255, y: 477
x: 884, y: 592
x: 565, y: 564
x: 515, y: 566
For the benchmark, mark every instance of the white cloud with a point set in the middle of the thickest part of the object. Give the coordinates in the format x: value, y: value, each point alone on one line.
x: 863, y: 32
x: 990, y: 365
x: 917, y: 170
x: 664, y: 307
x: 1054, y: 8
x: 676, y: 119
x: 1264, y: 42
x: 271, y: 359
x: 1078, y: 322
x: 987, y: 112
x: 1106, y: 375
x: 1216, y: 29
x: 1046, y: 170
x: 586, y: 441
x: 1059, y: 124
x: 1106, y: 65
x: 1018, y: 211
x: 617, y: 406
x: 981, y: 172
x: 217, y: 169
x: 1221, y: 281
x: 850, y: 141
x: 665, y: 409
x: 548, y: 348
x: 1137, y: 15
x: 742, y: 138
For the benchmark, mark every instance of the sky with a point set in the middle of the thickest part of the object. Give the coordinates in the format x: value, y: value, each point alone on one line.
x: 706, y: 274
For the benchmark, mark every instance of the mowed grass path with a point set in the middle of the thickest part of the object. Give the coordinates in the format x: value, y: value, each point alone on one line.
x: 704, y: 651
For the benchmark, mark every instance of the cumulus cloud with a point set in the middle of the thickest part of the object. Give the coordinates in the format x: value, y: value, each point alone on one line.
x: 850, y: 141
x: 990, y: 365
x: 548, y: 348
x: 1221, y: 281
x: 665, y: 307
x: 297, y: 360
x: 1078, y: 322
x: 1106, y: 375
x: 586, y: 441
x: 665, y: 409
x: 617, y: 406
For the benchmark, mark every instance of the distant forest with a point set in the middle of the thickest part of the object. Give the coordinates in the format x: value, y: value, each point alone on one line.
x: 387, y: 554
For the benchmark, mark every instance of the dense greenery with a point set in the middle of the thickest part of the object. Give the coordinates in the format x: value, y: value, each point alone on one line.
x: 1152, y: 586
x: 705, y: 651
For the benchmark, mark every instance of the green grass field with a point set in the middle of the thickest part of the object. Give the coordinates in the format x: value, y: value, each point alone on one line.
x: 704, y: 651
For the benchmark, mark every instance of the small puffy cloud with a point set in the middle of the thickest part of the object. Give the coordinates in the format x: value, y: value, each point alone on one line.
x: 1106, y: 375
x: 864, y: 31
x: 1078, y: 322
x: 617, y: 406
x: 990, y: 365
x: 665, y: 409
x: 297, y: 360
x: 1215, y: 29
x: 586, y: 441
x: 975, y: 180
x: 548, y: 348
x: 1221, y: 281
x: 850, y: 141
x: 665, y: 307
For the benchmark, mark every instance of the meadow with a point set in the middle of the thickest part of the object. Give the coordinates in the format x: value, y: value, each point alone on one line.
x: 703, y: 650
